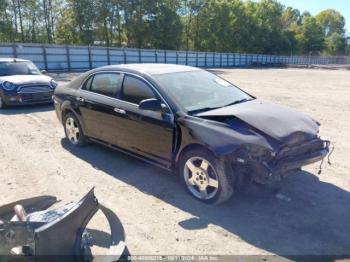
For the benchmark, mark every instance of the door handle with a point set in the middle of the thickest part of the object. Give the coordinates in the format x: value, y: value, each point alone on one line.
x: 120, y: 111
x: 80, y: 99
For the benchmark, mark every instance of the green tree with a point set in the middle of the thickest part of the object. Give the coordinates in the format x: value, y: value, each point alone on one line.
x: 331, y: 22
x: 109, y: 25
x: 189, y: 11
x: 84, y: 15
x: 290, y: 16
x: 166, y: 25
x: 32, y: 14
x: 267, y: 27
x: 138, y: 15
x: 67, y: 28
x: 251, y: 26
x: 6, y: 32
x: 310, y: 36
x: 219, y: 25
x: 290, y: 20
x: 335, y: 44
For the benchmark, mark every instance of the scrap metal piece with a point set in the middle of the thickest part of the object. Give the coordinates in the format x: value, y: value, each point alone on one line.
x: 31, y: 205
x: 15, y: 234
x: 62, y: 235
x: 58, y: 232
x: 117, y: 244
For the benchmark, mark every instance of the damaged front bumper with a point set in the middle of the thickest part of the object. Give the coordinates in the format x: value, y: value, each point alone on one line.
x: 59, y: 232
x: 286, y: 160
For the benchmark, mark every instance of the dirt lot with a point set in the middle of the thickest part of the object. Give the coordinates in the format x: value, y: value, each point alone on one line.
x: 159, y: 217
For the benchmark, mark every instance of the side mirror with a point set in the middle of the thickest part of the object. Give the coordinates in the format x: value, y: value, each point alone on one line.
x: 44, y: 72
x: 151, y: 104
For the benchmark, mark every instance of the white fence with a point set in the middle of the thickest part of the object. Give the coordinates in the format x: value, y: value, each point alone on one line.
x: 76, y: 58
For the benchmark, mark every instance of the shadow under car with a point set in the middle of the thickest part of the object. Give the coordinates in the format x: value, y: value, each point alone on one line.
x: 27, y: 109
x: 315, y: 222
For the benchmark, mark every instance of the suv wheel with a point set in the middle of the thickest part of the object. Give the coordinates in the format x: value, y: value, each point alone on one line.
x: 205, y: 177
x: 73, y: 130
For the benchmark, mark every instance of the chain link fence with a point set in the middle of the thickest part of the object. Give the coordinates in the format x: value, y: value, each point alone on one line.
x: 79, y: 58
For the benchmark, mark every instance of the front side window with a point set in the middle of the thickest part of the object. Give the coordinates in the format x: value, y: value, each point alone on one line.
x: 105, y: 84
x: 135, y: 90
x: 18, y: 68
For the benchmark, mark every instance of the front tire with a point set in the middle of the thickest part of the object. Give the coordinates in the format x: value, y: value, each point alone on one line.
x: 2, y: 103
x: 73, y: 130
x: 205, y: 177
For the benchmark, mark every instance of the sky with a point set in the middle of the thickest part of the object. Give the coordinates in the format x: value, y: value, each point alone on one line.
x: 316, y: 6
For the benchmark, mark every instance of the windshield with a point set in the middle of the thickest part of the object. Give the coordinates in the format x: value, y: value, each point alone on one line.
x: 18, y: 68
x: 200, y: 90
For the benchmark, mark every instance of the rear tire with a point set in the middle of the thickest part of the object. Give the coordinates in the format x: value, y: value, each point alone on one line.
x: 74, y: 132
x: 205, y: 177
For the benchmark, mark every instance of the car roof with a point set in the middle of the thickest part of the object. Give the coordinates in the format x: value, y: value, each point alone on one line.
x: 6, y: 60
x: 151, y: 69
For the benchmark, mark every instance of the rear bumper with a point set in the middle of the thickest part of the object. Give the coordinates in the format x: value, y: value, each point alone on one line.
x: 273, y: 172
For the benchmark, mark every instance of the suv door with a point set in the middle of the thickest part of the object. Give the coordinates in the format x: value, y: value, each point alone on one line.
x: 144, y: 132
x: 96, y: 101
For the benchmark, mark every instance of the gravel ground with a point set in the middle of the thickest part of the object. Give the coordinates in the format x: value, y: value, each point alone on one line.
x: 158, y: 216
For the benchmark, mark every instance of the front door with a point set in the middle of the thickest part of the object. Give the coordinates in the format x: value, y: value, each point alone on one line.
x: 144, y: 132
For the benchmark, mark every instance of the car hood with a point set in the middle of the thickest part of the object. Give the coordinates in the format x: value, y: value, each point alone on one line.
x: 279, y: 122
x: 26, y: 79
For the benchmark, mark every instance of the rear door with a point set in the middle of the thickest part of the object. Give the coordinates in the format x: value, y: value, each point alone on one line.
x: 144, y: 132
x: 97, y: 101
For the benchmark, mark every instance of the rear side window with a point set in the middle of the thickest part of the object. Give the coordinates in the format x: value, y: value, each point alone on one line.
x: 105, y: 84
x: 135, y: 90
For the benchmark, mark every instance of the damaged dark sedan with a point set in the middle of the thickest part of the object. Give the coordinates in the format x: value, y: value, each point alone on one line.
x: 189, y: 121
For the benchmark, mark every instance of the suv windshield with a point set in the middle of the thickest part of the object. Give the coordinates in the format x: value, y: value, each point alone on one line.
x: 200, y: 90
x: 18, y: 68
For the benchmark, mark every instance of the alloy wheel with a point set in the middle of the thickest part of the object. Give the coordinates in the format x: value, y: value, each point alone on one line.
x: 201, y: 178
x: 72, y: 130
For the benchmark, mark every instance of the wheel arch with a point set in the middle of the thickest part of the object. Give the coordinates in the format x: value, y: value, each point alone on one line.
x: 188, y: 148
x: 65, y: 112
x: 67, y: 108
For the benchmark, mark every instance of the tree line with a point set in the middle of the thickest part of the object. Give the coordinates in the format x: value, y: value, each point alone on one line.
x: 202, y: 25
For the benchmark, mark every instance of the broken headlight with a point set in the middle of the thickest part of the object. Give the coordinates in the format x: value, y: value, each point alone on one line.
x: 259, y: 153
